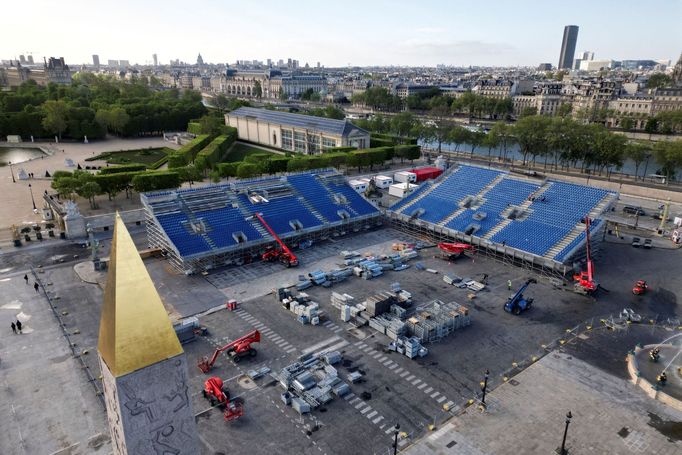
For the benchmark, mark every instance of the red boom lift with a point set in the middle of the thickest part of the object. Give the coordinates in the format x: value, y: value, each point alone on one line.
x: 584, y: 281
x: 452, y: 251
x: 214, y: 392
x: 236, y: 349
x: 284, y: 254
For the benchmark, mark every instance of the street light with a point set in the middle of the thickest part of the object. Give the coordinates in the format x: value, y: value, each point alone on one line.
x: 11, y: 171
x: 32, y: 200
x: 563, y: 442
x: 484, y: 386
x: 396, y: 432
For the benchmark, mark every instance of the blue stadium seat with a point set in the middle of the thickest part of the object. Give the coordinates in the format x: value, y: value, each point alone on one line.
x: 564, y: 205
x: 278, y: 212
x: 186, y: 242
x: 445, y: 198
x: 507, y: 192
x: 321, y: 198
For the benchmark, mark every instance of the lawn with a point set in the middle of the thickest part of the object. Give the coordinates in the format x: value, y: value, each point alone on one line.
x: 153, y: 157
x: 239, y: 151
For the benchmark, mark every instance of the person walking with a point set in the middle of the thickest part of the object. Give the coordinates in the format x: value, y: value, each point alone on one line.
x: 14, y: 328
x: 509, y: 285
x: 19, y: 325
x: 36, y: 286
x: 26, y: 278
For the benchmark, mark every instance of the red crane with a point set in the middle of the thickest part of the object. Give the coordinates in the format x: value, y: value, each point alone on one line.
x: 284, y: 254
x: 584, y: 281
x: 241, y: 347
x: 454, y: 250
x: 219, y: 396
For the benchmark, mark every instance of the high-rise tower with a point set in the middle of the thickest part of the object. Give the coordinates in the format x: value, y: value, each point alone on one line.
x: 568, y: 47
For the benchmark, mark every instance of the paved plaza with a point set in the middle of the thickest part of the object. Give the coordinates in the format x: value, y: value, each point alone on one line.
x: 17, y: 207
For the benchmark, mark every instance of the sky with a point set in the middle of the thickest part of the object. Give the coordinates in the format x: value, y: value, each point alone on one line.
x: 339, y: 33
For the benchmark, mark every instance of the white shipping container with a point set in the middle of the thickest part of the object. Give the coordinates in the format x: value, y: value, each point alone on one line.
x: 405, y: 176
x: 383, y: 182
x: 401, y: 189
x: 358, y: 185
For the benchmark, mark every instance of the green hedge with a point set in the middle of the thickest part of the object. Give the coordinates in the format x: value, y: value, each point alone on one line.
x: 407, y: 152
x: 214, y: 151
x: 394, y: 139
x: 378, y: 142
x: 115, y: 183
x: 257, y: 158
x: 185, y: 155
x: 194, y: 128
x: 339, y: 149
x: 123, y: 168
x: 228, y: 169
x: 153, y: 181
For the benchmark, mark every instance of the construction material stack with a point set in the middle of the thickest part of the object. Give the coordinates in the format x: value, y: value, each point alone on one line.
x: 436, y: 320
x: 410, y: 347
x: 312, y: 381
x: 306, y: 311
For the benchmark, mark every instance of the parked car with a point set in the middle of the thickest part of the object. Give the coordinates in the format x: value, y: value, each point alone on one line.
x: 647, y: 244
x: 636, y: 242
x: 633, y: 210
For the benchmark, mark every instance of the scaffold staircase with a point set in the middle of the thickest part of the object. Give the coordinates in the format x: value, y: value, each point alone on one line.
x: 524, y: 205
x: 580, y: 227
x: 480, y: 194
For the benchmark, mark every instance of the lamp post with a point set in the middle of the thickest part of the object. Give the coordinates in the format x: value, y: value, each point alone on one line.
x: 396, y: 432
x: 11, y: 171
x: 32, y: 200
x: 563, y: 442
x: 484, y: 386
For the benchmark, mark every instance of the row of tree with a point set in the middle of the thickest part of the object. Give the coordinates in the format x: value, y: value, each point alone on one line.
x: 95, y: 105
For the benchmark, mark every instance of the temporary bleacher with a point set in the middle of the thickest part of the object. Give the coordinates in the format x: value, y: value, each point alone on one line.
x: 538, y: 217
x: 216, y: 219
x: 508, y: 192
x: 444, y: 199
x: 551, y: 218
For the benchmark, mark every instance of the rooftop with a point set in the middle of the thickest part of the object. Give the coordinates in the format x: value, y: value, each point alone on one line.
x: 325, y: 125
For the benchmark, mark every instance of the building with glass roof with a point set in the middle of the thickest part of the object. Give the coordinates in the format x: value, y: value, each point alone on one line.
x: 295, y: 132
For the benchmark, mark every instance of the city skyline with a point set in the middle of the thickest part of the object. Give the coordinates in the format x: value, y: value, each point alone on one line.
x: 401, y: 34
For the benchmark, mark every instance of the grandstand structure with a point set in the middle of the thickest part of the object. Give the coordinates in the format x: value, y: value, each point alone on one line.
x: 208, y: 227
x: 537, y: 224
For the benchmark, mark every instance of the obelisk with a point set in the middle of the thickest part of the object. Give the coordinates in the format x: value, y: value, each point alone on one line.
x: 144, y: 368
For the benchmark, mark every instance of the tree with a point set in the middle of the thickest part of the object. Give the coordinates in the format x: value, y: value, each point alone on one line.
x: 113, y: 120
x: 55, y: 120
x: 458, y: 135
x: 65, y: 186
x: 626, y: 123
x: 403, y: 123
x: 440, y: 115
x: 89, y: 190
x: 659, y: 80
x: 531, y: 135
x: 476, y: 138
x: 669, y: 156
x: 528, y: 111
x: 637, y: 152
x: 221, y: 102
x: 651, y: 125
x: 257, y: 90
x: 564, y: 110
x: 492, y: 140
